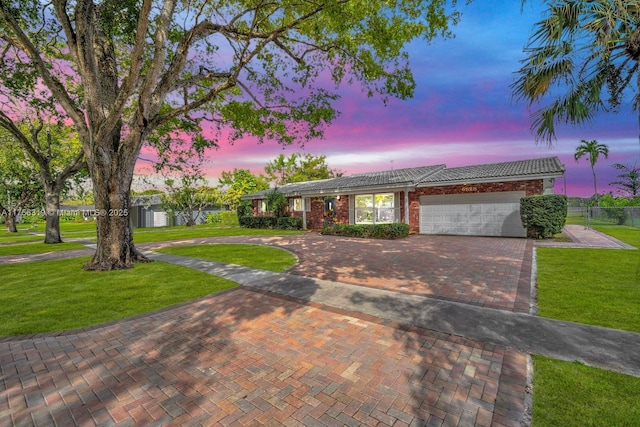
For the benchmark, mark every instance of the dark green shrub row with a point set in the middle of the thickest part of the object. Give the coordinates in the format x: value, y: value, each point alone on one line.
x: 290, y: 223
x: 284, y: 223
x: 543, y: 216
x: 374, y: 231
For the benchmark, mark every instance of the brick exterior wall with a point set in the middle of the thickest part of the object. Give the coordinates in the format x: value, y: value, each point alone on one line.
x: 315, y: 217
x: 530, y: 187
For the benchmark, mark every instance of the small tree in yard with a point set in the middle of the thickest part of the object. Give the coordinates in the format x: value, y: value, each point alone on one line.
x: 128, y: 72
x: 188, y: 195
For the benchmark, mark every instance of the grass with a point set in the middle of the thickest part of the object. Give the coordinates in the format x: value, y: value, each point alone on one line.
x: 22, y: 236
x: 58, y: 295
x: 147, y: 235
x: 572, y: 394
x: 628, y: 235
x: 593, y: 286
x: 23, y: 242
x: 254, y: 256
x: 598, y: 287
x: 35, y: 248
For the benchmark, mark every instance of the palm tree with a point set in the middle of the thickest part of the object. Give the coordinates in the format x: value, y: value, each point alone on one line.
x: 586, y: 56
x: 629, y: 179
x: 593, y: 149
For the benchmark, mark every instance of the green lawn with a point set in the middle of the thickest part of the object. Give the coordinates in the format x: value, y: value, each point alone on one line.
x: 24, y: 242
x: 147, y: 235
x: 22, y: 236
x: 255, y: 256
x: 574, y: 395
x: 597, y: 287
x: 58, y: 295
x: 37, y: 247
x: 593, y: 286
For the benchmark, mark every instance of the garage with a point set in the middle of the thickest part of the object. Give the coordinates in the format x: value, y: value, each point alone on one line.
x: 478, y: 214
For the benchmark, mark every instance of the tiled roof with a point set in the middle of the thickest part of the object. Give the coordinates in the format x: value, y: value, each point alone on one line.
x: 517, y: 169
x: 390, y: 178
x: 423, y: 176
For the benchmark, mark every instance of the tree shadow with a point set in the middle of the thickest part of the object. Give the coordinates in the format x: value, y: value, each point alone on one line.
x: 253, y: 355
x: 185, y: 364
x: 450, y: 378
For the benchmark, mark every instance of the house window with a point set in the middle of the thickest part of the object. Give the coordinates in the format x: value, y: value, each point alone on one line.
x: 375, y: 208
x: 262, y: 206
x: 296, y: 205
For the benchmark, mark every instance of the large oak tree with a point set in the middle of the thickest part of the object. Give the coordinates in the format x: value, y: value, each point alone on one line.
x: 127, y: 72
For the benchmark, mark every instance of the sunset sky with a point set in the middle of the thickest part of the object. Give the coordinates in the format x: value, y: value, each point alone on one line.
x: 462, y: 113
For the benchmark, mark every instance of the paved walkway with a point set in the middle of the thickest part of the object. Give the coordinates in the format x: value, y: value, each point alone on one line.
x: 302, y: 349
x: 583, y: 237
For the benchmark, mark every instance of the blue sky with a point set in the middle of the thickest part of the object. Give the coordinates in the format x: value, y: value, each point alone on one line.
x: 462, y: 112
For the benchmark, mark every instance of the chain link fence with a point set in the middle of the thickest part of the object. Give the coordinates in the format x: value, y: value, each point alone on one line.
x: 590, y: 216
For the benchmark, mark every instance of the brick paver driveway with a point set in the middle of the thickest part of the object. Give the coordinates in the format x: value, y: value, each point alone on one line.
x: 485, y: 271
x: 248, y: 358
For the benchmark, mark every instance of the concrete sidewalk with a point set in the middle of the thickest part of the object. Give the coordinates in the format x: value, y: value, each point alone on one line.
x: 596, y: 346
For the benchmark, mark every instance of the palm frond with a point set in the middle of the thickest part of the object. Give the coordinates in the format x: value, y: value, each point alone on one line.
x: 581, y: 49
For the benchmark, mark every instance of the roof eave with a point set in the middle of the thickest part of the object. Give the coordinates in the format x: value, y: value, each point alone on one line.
x: 493, y: 179
x: 339, y: 191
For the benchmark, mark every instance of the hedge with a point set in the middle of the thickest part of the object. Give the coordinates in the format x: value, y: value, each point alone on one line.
x: 284, y: 223
x: 374, y: 231
x: 543, y: 216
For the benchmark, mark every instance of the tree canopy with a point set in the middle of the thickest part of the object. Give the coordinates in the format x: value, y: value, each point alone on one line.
x: 239, y: 182
x: 20, y: 189
x: 582, y: 58
x: 130, y: 72
x: 299, y: 168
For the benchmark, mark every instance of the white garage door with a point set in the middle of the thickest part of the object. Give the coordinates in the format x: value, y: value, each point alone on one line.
x: 481, y: 214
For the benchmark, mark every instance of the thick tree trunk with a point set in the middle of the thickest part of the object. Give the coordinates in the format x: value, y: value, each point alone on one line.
x: 115, y: 249
x: 10, y: 222
x: 52, y: 215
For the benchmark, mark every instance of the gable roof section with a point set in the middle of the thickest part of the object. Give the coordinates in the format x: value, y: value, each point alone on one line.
x: 548, y: 167
x: 423, y: 176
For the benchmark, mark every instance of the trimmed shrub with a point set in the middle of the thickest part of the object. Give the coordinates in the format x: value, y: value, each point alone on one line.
x: 373, y: 231
x: 543, y: 216
x: 290, y: 223
x: 259, y: 222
